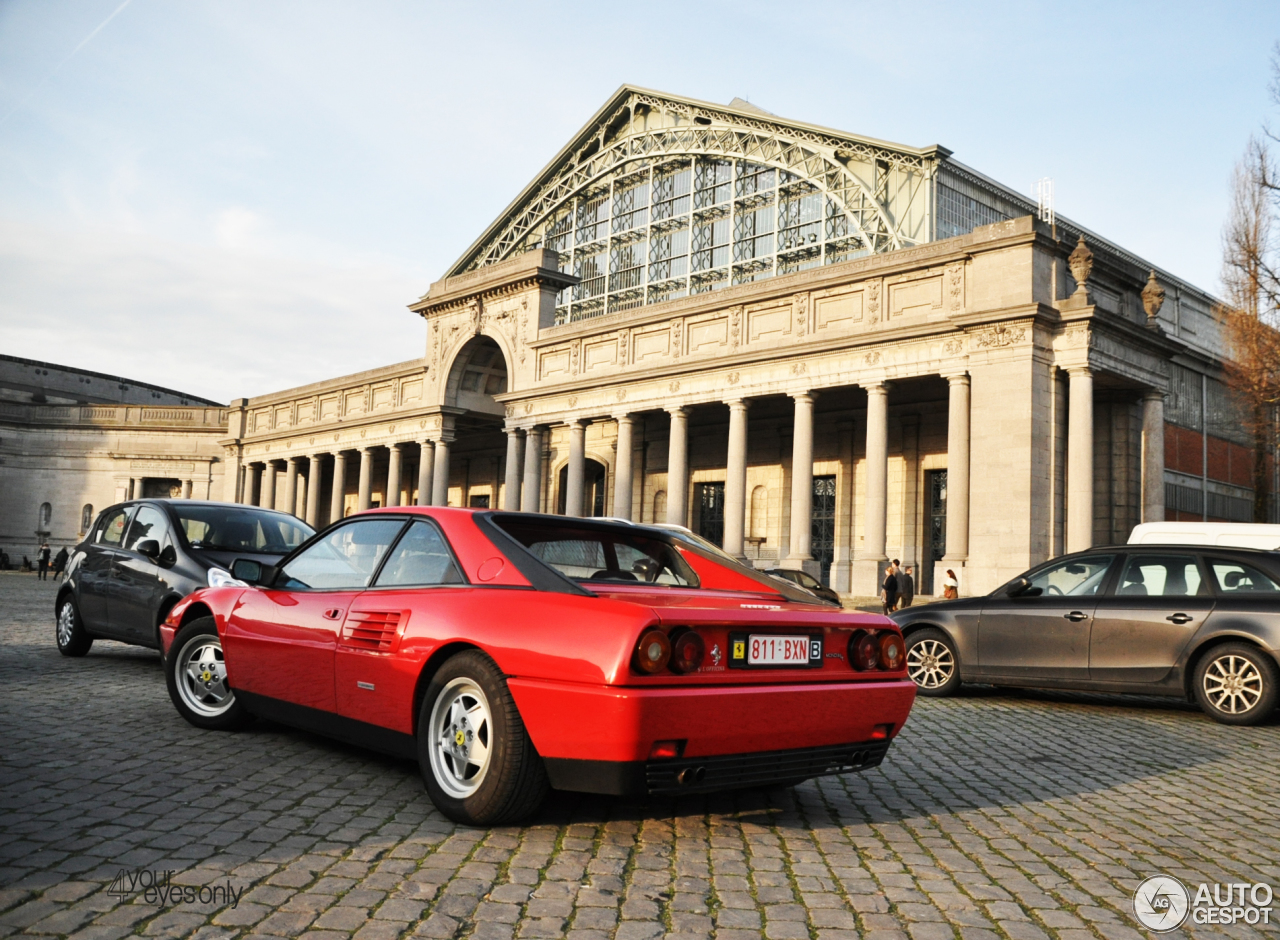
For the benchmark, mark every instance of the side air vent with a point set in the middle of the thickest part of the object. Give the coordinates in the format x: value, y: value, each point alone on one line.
x: 371, y: 629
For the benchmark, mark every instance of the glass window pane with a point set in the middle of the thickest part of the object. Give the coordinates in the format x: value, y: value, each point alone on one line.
x: 1160, y: 576
x: 148, y: 523
x: 1079, y: 577
x: 592, y: 555
x: 1236, y: 578
x: 241, y: 529
x: 112, y: 529
x: 344, y: 558
x: 420, y: 557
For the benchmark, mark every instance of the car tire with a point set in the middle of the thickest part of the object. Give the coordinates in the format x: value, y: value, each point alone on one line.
x: 933, y: 663
x: 69, y: 631
x: 1235, y: 683
x: 196, y: 674
x: 478, y: 762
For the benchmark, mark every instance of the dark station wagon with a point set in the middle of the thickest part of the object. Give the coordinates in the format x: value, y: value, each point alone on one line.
x: 1196, y: 622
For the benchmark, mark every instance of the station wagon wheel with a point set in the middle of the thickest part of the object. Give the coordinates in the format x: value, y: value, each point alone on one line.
x: 1235, y: 683
x: 932, y: 663
x: 478, y: 763
x: 196, y: 673
x: 73, y: 639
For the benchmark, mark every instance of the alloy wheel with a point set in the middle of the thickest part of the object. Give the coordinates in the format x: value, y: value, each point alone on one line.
x: 201, y: 672
x: 1233, y: 684
x: 930, y: 664
x: 66, y: 623
x: 460, y: 738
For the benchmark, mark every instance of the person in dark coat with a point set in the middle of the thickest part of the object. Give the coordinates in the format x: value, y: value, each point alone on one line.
x: 42, y: 561
x: 60, y: 562
x: 889, y: 589
x: 907, y: 587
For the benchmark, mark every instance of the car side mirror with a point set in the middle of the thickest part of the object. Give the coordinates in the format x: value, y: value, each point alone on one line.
x: 1018, y: 587
x: 149, y: 548
x: 252, y: 572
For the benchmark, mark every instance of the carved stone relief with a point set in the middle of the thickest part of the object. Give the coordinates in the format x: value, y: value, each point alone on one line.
x: 1001, y: 336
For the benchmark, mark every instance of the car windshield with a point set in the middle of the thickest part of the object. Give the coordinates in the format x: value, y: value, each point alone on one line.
x: 235, y: 528
x: 588, y: 553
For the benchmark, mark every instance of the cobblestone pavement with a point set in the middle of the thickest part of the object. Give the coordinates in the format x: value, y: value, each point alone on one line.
x: 997, y: 814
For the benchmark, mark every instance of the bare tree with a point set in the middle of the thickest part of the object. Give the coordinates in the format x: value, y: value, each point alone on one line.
x: 1251, y: 313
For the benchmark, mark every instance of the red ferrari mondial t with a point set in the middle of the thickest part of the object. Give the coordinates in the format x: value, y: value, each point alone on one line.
x: 513, y: 652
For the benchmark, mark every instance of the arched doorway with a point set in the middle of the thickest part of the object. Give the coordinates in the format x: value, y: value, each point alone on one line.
x: 592, y: 488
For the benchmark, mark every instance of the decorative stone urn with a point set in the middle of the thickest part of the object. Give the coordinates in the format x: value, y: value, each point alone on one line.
x: 1152, y: 299
x: 1080, y: 261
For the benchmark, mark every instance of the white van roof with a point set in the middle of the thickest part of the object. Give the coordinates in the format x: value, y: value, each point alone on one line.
x: 1236, y: 534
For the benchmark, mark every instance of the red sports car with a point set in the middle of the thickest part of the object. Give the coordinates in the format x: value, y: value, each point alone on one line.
x: 511, y: 652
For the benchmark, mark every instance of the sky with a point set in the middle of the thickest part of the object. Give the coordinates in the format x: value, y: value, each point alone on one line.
x: 233, y: 198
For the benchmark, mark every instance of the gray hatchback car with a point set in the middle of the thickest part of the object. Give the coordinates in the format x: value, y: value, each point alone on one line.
x: 1196, y: 622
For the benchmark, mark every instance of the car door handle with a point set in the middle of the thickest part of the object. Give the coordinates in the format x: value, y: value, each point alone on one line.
x: 333, y: 613
x: 1076, y: 616
x: 1180, y: 618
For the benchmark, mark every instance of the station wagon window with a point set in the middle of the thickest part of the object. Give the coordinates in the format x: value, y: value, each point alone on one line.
x: 111, y: 530
x: 1160, y: 576
x: 421, y: 557
x: 344, y: 559
x: 1236, y: 578
x: 1078, y: 577
x: 588, y: 554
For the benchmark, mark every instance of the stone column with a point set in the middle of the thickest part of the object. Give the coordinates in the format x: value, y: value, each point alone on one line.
x: 252, y: 473
x: 867, y: 562
x: 735, y: 481
x: 1153, y: 456
x: 800, y: 555
x: 531, y: 490
x: 186, y: 489
x: 1079, y: 461
x: 312, y: 516
x: 339, y: 490
x: 426, y: 471
x: 678, y: 467
x: 574, y: 482
x: 957, y: 549
x: 622, y: 476
x: 514, y: 469
x: 365, y: 499
x: 440, y: 474
x: 267, y: 489
x: 291, y: 486
x: 393, y: 475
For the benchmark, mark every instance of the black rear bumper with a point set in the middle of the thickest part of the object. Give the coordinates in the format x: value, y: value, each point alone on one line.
x: 705, y: 774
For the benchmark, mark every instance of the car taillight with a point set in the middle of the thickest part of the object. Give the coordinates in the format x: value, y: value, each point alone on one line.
x: 687, y: 652
x: 892, y: 651
x: 653, y: 652
x: 864, y: 650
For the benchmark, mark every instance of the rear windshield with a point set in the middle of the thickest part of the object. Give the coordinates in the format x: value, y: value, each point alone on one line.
x: 241, y: 529
x: 590, y: 554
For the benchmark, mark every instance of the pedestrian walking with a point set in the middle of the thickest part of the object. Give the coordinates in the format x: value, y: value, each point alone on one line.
x: 907, y: 587
x: 60, y: 563
x: 950, y: 586
x: 42, y: 561
x: 889, y: 589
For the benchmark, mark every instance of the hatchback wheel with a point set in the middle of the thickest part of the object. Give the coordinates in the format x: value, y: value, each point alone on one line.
x: 196, y: 674
x: 477, y: 760
x: 72, y: 638
x: 1235, y: 683
x: 932, y: 663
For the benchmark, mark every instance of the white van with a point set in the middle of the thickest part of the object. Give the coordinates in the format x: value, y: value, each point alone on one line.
x: 1237, y: 534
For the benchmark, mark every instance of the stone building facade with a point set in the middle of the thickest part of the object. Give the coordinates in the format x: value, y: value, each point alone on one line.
x: 816, y: 349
